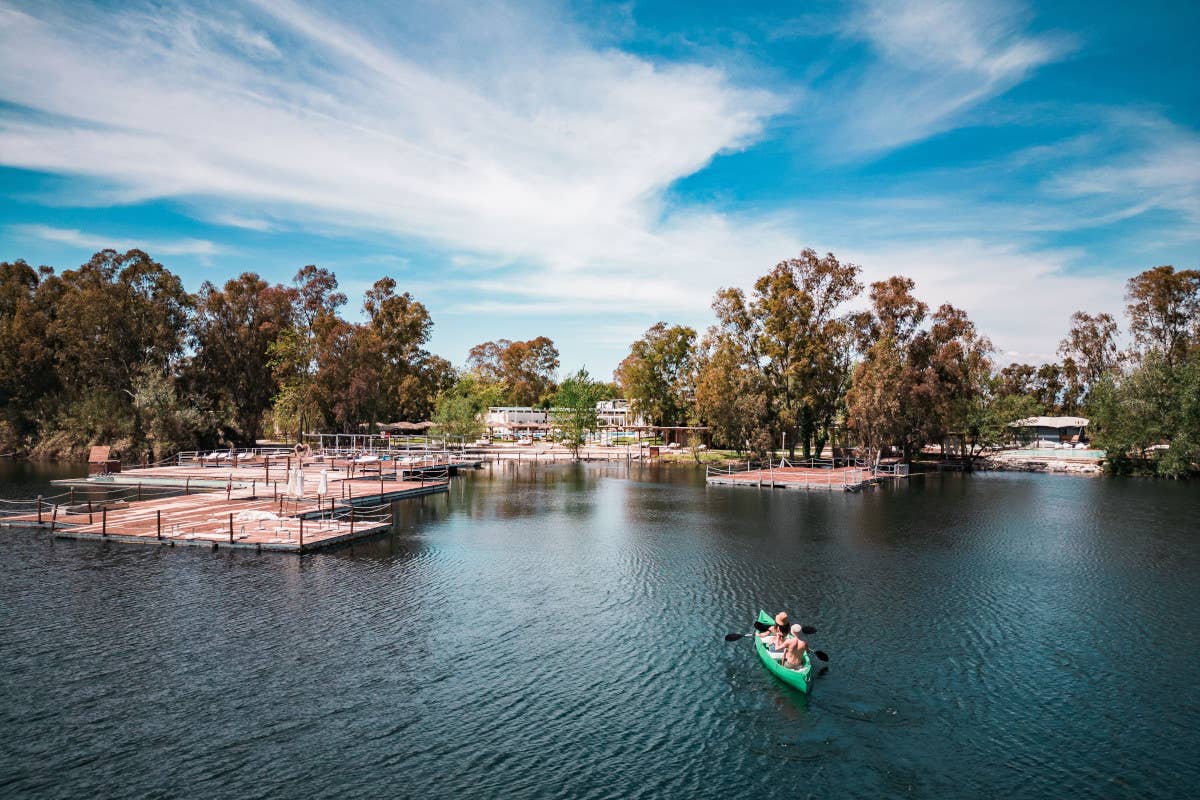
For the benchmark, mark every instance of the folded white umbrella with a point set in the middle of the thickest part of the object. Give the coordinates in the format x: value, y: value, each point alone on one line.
x: 323, y: 485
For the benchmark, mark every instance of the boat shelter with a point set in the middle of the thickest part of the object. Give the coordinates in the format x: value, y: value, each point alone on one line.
x: 1050, y: 431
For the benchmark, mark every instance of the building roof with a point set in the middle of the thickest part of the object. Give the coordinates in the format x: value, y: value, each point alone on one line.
x: 1050, y: 422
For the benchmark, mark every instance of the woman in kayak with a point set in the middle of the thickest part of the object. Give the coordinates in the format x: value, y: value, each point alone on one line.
x: 794, y: 648
x: 775, y: 635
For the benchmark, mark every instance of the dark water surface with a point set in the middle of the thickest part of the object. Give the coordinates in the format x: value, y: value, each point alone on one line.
x: 558, y: 633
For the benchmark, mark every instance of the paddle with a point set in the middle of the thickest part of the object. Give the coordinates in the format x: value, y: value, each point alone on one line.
x: 820, y: 654
x: 808, y: 630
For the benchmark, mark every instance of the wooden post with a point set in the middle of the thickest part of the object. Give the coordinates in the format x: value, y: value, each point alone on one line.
x: 139, y: 491
x: 39, y: 509
x: 53, y: 517
x: 104, y: 521
x: 302, y: 533
x: 72, y: 495
x: 231, y: 527
x: 253, y: 491
x: 89, y: 511
x: 351, y: 518
x: 187, y: 485
x: 158, y: 524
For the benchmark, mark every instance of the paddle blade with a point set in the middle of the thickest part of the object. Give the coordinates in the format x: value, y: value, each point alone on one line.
x: 761, y: 626
x: 809, y: 630
x: 820, y: 654
x: 733, y: 637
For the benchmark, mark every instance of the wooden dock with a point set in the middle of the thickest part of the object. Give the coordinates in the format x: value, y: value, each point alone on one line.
x: 235, y: 507
x: 811, y: 474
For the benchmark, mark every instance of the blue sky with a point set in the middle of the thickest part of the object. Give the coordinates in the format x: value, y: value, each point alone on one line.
x: 585, y: 170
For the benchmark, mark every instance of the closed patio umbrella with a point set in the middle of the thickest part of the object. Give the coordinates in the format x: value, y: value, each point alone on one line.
x: 323, y: 485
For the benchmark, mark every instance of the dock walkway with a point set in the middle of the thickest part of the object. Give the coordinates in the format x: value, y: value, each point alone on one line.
x: 237, y: 508
x: 823, y: 474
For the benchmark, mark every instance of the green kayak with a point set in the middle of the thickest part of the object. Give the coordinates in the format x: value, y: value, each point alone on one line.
x: 797, y: 678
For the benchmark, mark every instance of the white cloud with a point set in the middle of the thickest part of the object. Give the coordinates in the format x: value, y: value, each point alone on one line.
x: 1156, y: 166
x: 935, y: 61
x: 536, y: 162
x: 90, y: 241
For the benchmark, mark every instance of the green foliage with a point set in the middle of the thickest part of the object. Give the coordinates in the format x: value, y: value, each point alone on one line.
x: 658, y: 375
x: 459, y: 410
x: 526, y: 368
x: 1149, y: 419
x: 574, y: 409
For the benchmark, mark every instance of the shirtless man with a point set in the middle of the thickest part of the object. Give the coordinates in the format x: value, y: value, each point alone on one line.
x: 794, y: 649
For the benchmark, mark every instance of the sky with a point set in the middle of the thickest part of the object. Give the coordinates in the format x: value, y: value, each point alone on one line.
x: 584, y: 170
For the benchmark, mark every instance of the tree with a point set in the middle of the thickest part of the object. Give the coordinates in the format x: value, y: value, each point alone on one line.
x: 459, y: 410
x: 574, y: 409
x: 1092, y: 344
x: 873, y: 403
x: 236, y: 328
x: 1164, y: 310
x: 791, y: 332
x: 730, y: 397
x: 526, y: 368
x: 114, y: 315
x: 658, y: 375
x: 295, y: 353
x: 27, y: 374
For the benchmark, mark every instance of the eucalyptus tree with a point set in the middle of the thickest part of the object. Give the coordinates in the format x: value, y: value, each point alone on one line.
x: 658, y: 376
x: 1164, y: 311
x: 792, y: 332
x: 236, y: 328
x: 527, y: 368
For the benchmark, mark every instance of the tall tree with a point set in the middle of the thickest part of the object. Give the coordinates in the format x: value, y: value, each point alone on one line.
x: 658, y: 375
x: 790, y: 329
x: 1164, y: 310
x: 235, y: 330
x: 526, y: 368
x: 115, y: 315
x: 1091, y: 343
x: 27, y: 374
x: 731, y: 398
x: 295, y: 353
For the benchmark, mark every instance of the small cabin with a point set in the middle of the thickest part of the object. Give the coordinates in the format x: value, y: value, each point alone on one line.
x: 1050, y: 431
x: 100, y: 461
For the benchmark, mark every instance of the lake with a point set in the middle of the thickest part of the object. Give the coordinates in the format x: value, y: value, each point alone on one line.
x: 558, y: 632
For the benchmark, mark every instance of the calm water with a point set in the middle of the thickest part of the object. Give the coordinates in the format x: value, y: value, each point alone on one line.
x: 558, y: 633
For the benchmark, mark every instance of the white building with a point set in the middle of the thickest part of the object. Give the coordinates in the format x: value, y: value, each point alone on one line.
x: 516, y: 420
x: 524, y: 420
x: 617, y: 414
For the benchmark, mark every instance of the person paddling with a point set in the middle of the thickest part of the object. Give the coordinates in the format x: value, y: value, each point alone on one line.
x: 794, y: 649
x: 775, y: 635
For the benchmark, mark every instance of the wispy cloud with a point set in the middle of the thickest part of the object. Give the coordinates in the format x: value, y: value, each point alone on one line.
x: 91, y: 241
x: 934, y: 61
x: 1155, y: 166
